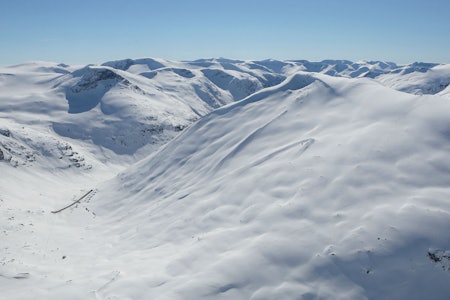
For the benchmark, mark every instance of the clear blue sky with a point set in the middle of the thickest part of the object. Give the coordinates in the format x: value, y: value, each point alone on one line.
x: 94, y: 31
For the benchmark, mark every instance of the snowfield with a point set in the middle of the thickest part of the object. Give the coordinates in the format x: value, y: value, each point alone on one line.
x: 225, y: 179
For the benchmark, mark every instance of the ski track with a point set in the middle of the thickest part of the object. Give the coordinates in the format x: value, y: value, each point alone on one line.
x: 246, y: 141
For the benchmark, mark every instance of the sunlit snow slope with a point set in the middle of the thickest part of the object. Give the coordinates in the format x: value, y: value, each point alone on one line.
x: 318, y: 188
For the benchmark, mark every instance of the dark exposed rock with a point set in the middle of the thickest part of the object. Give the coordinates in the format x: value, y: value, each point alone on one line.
x: 5, y: 132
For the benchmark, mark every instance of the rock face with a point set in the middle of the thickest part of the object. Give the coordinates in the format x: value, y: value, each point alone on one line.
x: 5, y: 132
x: 92, y: 85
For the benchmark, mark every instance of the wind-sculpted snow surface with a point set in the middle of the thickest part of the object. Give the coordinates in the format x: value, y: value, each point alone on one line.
x: 323, y: 189
x: 273, y: 180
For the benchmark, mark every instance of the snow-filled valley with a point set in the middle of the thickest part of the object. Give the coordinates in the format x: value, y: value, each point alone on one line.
x: 225, y: 179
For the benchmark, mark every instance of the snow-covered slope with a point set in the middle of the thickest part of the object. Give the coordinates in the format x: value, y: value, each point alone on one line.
x: 311, y: 187
x: 418, y: 79
x: 317, y: 188
x: 120, y: 111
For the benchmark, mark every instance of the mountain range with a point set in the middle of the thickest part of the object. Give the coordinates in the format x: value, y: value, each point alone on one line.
x: 225, y: 179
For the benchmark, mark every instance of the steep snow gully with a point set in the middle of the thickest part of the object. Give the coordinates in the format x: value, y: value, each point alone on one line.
x: 276, y: 181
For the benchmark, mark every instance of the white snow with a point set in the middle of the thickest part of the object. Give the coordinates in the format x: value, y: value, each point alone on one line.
x: 310, y: 187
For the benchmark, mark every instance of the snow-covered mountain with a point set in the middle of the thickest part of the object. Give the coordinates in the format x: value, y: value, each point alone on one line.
x: 282, y: 182
x: 55, y: 115
x: 129, y: 108
x: 121, y: 110
x: 320, y: 187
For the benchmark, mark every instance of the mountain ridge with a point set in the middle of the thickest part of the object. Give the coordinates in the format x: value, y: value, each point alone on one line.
x: 304, y: 182
x: 161, y: 97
